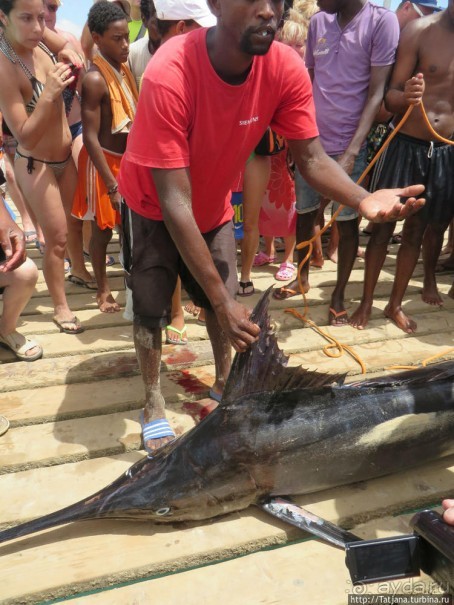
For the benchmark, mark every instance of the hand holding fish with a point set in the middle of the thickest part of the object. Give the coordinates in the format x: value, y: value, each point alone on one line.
x: 234, y: 321
x: 387, y: 205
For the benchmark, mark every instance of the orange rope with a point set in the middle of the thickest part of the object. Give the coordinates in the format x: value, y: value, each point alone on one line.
x: 334, y: 343
x: 309, y: 243
x: 424, y: 362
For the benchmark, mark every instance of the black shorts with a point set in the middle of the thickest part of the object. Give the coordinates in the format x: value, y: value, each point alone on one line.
x: 411, y: 161
x: 152, y: 264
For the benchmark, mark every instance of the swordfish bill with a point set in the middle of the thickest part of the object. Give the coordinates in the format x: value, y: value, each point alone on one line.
x: 278, y: 431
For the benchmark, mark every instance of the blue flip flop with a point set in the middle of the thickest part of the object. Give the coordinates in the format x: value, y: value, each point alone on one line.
x: 156, y: 429
x: 216, y: 396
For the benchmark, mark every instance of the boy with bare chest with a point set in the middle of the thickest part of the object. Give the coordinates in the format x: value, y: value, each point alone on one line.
x: 109, y: 98
x: 423, y: 76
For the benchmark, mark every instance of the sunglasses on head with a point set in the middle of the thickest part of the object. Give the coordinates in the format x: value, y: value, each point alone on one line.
x: 417, y: 9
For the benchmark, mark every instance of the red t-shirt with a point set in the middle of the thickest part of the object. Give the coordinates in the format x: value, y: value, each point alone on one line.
x: 187, y: 116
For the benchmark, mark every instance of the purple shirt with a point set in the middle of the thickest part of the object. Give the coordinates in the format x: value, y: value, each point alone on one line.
x: 342, y: 60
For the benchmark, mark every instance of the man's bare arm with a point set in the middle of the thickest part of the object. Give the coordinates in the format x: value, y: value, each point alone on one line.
x: 94, y: 89
x: 326, y: 176
x: 63, y: 48
x: 404, y: 68
x: 174, y: 191
x: 378, y: 79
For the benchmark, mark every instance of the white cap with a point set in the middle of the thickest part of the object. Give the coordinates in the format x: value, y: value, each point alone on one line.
x: 183, y: 10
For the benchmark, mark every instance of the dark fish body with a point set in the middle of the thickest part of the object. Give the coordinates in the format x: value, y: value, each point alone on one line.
x: 279, y: 431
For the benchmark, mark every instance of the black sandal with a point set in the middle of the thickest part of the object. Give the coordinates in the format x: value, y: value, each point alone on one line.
x: 246, y: 288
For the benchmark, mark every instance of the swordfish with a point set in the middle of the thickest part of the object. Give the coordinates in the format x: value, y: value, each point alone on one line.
x: 278, y: 431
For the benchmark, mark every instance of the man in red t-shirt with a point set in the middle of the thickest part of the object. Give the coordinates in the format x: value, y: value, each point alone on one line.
x: 206, y: 99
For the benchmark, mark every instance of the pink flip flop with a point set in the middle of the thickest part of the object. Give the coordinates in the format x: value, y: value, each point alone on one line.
x: 263, y: 259
x: 286, y: 272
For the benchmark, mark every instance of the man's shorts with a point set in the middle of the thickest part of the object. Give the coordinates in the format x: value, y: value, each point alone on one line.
x: 152, y: 264
x: 308, y: 200
x: 411, y: 161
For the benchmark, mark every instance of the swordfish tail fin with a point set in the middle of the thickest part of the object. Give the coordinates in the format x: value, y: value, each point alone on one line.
x: 263, y: 367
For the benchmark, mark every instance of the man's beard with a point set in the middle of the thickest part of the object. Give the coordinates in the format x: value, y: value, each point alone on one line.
x: 250, y: 46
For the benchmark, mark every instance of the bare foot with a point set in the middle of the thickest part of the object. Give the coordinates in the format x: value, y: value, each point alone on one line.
x: 316, y: 261
x: 431, y: 296
x: 191, y: 308
x: 332, y: 255
x: 445, y: 265
x: 360, y: 317
x: 401, y: 320
x: 361, y: 252
x: 337, y: 318
x: 106, y: 303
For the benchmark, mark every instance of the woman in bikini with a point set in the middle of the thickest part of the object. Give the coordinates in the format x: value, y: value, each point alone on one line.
x: 32, y: 105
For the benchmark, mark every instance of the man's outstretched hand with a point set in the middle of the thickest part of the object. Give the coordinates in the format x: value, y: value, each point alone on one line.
x: 387, y: 205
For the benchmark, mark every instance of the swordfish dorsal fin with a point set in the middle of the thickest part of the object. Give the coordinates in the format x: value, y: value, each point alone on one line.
x: 263, y: 367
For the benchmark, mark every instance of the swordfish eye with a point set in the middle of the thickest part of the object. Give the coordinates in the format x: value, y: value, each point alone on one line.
x: 161, y: 512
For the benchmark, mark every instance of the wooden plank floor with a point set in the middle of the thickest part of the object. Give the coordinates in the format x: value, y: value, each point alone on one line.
x: 74, y: 428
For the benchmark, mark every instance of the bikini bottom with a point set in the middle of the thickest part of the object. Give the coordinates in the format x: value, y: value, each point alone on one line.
x: 57, y: 167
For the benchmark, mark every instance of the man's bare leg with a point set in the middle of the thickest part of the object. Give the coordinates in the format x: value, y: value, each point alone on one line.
x: 222, y: 351
x: 100, y: 239
x: 317, y: 259
x: 304, y: 230
x: 407, y: 257
x: 148, y: 343
x: 449, y: 248
x: 348, y: 247
x: 332, y: 251
x: 431, y: 247
x: 376, y: 250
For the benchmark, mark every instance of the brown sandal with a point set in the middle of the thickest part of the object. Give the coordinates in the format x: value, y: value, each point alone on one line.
x: 284, y: 293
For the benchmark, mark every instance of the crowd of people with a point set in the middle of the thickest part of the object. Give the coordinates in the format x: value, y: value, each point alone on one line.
x: 150, y: 138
